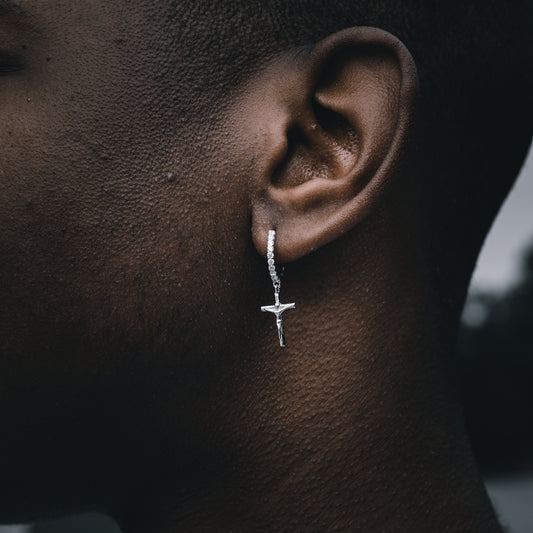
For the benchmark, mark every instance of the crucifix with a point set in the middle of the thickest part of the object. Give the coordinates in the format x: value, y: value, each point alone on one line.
x: 278, y: 307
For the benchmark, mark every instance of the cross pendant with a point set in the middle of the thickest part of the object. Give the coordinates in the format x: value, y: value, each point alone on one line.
x: 278, y: 309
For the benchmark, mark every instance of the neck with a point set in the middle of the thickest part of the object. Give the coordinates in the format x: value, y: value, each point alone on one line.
x: 353, y: 426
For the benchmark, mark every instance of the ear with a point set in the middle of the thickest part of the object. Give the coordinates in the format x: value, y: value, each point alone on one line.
x: 336, y: 121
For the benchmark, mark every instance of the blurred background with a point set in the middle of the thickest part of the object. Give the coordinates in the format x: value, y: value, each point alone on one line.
x: 495, y: 363
x: 495, y: 358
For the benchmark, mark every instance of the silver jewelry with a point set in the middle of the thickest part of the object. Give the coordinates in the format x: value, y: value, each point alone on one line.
x: 278, y: 307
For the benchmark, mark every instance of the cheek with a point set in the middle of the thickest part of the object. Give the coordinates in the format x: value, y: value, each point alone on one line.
x: 120, y: 232
x: 110, y: 239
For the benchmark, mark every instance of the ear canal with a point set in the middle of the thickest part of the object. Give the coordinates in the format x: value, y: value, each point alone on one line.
x: 344, y: 123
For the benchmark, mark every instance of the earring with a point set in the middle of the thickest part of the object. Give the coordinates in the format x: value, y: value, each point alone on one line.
x: 278, y: 307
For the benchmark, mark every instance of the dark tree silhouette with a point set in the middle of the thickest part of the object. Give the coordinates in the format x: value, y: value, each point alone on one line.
x: 495, y: 358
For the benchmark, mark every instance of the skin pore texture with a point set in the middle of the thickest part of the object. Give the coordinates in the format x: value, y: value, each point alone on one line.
x: 146, y: 149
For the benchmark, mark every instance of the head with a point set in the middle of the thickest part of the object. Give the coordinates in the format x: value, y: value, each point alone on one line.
x: 146, y: 150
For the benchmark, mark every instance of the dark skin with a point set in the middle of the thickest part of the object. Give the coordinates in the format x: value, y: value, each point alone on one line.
x: 137, y: 373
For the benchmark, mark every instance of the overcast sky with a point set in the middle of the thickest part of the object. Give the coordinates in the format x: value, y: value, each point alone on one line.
x: 498, y: 264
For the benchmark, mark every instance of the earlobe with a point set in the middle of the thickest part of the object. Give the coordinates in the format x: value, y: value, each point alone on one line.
x: 341, y: 126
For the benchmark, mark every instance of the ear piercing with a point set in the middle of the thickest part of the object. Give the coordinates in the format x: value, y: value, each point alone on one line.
x: 278, y: 307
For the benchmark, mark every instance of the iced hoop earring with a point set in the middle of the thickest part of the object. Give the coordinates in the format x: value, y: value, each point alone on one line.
x: 278, y: 307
